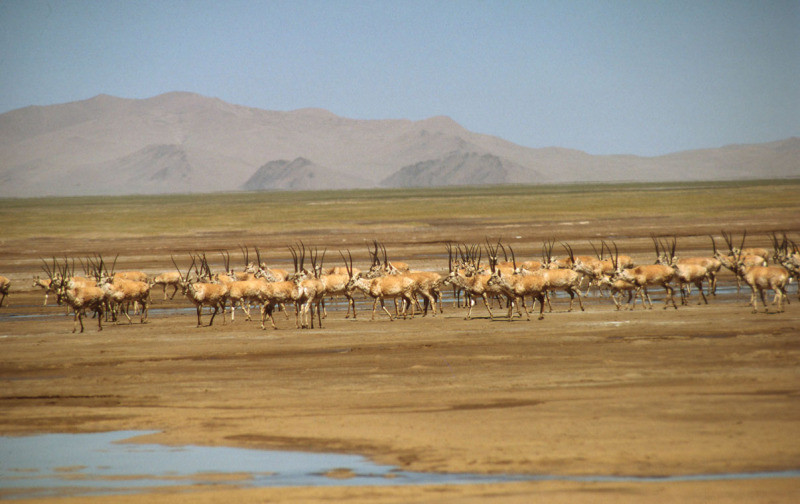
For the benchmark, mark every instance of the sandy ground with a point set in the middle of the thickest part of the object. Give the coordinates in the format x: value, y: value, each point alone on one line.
x: 704, y: 389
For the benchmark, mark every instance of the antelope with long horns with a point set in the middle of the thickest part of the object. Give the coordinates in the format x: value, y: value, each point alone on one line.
x: 169, y: 278
x: 383, y: 286
x: 270, y: 274
x: 336, y: 284
x: 119, y: 291
x: 686, y: 273
x: 517, y: 287
x: 80, y: 297
x: 204, y: 294
x: 45, y: 284
x: 309, y: 286
x: 566, y: 280
x: 649, y: 275
x: 730, y: 261
x: 761, y: 278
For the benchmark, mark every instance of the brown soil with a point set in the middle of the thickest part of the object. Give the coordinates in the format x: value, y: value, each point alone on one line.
x: 698, y: 390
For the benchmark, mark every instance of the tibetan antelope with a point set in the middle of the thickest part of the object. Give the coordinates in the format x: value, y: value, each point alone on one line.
x: 242, y: 292
x: 278, y: 293
x: 788, y: 258
x: 428, y: 285
x: 752, y: 251
x: 516, y: 287
x: 242, y: 287
x: 610, y: 265
x: 588, y: 266
x: 384, y: 286
x: 269, y: 274
x: 691, y: 272
x: 389, y: 286
x: 46, y: 284
x: 712, y: 266
x: 474, y: 283
x: 458, y: 260
x: 272, y: 294
x: 168, y: 279
x: 133, y: 293
x: 385, y: 268
x: 649, y: 275
x: 730, y: 261
x: 5, y: 285
x: 555, y: 279
x: 238, y: 276
x: 80, y: 297
x: 57, y: 276
x: 618, y: 286
x: 335, y: 283
x: 761, y: 278
x: 204, y: 294
x: 310, y: 289
x: 119, y: 291
x: 138, y: 276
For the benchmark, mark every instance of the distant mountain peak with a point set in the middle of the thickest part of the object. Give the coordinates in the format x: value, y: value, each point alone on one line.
x: 441, y: 122
x: 312, y: 111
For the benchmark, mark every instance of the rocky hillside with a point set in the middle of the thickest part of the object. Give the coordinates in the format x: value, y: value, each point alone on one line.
x: 463, y: 168
x: 300, y: 174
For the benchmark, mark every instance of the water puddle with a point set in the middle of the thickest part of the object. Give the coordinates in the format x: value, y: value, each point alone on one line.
x: 103, y: 464
x: 91, y: 464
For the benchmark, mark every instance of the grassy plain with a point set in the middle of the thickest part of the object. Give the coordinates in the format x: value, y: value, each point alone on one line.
x: 375, y: 210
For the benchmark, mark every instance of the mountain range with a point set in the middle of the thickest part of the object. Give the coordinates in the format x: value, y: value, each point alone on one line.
x: 187, y: 143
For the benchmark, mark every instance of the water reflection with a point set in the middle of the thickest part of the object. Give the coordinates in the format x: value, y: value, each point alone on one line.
x: 86, y: 464
x: 90, y: 464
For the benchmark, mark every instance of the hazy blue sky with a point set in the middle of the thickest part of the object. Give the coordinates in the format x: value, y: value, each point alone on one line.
x: 642, y: 77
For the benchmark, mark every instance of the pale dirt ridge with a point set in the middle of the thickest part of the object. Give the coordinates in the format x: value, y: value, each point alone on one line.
x: 183, y: 142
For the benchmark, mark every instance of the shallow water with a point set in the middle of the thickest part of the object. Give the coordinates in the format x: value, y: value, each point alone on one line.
x: 726, y: 293
x: 86, y: 464
x: 102, y: 463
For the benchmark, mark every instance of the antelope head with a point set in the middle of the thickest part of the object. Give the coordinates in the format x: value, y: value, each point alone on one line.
x: 317, y: 261
x: 184, y: 282
x: 668, y: 257
x: 736, y: 253
x: 491, y: 253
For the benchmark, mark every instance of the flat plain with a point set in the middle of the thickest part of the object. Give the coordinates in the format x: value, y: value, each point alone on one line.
x: 704, y: 389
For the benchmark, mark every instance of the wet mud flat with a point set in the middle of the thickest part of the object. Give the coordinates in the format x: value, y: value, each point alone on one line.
x: 699, y: 390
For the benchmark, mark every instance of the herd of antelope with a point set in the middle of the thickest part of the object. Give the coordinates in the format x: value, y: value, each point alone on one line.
x: 471, y: 274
